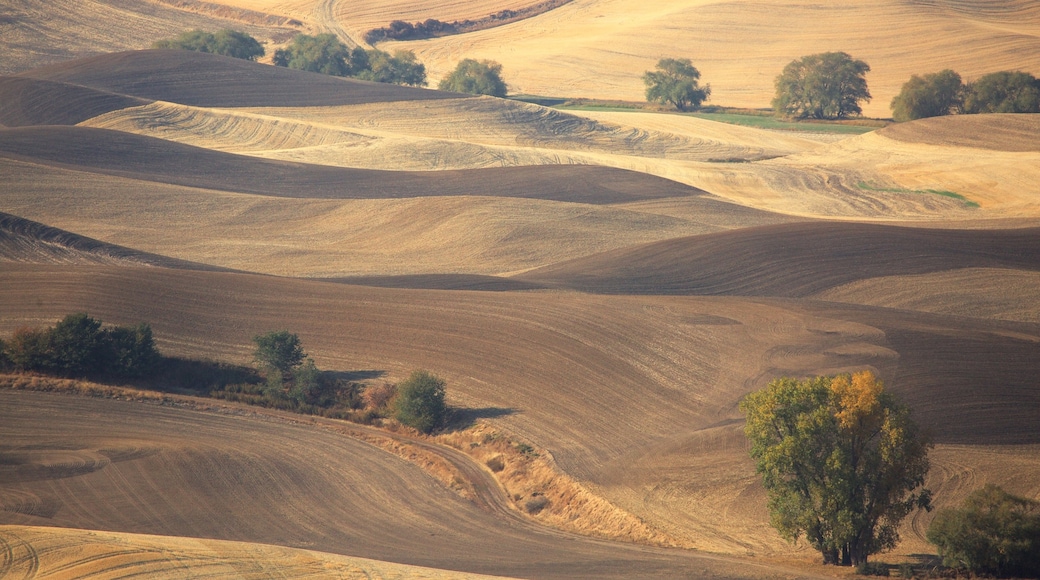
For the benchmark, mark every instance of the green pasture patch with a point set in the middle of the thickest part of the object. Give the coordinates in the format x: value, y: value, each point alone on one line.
x: 967, y: 202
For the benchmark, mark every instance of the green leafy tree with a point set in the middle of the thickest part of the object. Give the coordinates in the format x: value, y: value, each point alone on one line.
x: 475, y: 77
x: 400, y: 69
x: 131, y: 351
x: 30, y: 349
x: 841, y: 460
x: 77, y: 344
x: 828, y: 85
x: 1003, y: 92
x: 931, y: 95
x: 420, y: 401
x: 994, y: 532
x: 676, y: 82
x: 279, y: 351
x: 323, y: 53
x: 306, y: 384
x: 224, y: 42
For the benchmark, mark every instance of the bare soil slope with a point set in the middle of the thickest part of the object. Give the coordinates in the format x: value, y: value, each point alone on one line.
x: 125, y: 467
x: 22, y: 240
x: 42, y: 552
x: 207, y: 80
x: 40, y: 32
x: 612, y: 385
x: 36, y: 102
x: 791, y: 260
x: 156, y: 160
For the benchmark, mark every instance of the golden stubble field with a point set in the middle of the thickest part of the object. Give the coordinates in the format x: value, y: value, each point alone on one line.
x: 656, y: 268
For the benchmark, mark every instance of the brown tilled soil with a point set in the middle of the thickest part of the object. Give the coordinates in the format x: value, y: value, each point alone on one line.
x: 620, y: 355
x: 39, y: 102
x: 149, y: 159
x: 206, y: 80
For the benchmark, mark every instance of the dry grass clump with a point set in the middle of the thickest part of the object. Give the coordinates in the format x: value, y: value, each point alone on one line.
x: 538, y: 488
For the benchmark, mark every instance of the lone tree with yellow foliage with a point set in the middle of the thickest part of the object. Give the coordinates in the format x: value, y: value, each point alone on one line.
x: 841, y: 460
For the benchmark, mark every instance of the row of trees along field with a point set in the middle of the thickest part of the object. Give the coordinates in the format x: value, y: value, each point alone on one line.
x: 831, y: 85
x: 326, y: 54
x: 843, y: 464
x: 80, y: 347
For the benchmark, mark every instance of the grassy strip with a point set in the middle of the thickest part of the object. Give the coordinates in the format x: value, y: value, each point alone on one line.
x: 967, y: 202
x: 757, y: 118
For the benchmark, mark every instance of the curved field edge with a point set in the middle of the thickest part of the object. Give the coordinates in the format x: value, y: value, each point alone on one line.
x: 663, y: 369
x: 45, y: 552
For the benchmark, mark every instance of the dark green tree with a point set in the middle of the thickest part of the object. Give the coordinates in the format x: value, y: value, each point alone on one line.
x: 280, y: 351
x: 476, y: 78
x: 993, y: 532
x: 77, y: 345
x: 931, y: 95
x: 131, y: 351
x: 676, y: 82
x: 400, y: 69
x: 420, y: 401
x: 323, y: 53
x: 1003, y: 92
x: 828, y: 85
x: 225, y: 42
x: 841, y: 460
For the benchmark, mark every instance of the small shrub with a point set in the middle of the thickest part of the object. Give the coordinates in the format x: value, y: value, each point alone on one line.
x: 536, y: 504
x: 496, y: 463
x: 526, y: 450
x: 420, y: 402
x: 906, y: 570
x: 379, y: 397
x: 872, y: 569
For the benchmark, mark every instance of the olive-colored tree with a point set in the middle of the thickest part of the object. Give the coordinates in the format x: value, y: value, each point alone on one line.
x: 829, y: 85
x: 224, y: 42
x: 420, y: 401
x: 476, y: 78
x: 1003, y: 92
x: 677, y: 82
x: 993, y: 532
x: 931, y: 95
x: 841, y: 460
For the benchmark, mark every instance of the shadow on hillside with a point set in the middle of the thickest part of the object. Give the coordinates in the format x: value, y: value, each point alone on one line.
x: 464, y: 417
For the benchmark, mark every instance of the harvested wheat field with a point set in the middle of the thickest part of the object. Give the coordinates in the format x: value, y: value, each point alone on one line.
x: 601, y: 287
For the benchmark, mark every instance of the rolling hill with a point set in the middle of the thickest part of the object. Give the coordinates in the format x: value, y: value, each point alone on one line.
x: 604, y: 287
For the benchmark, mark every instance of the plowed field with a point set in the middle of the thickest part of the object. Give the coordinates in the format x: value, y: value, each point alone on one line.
x: 604, y: 287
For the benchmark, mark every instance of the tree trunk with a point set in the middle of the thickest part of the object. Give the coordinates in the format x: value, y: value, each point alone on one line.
x: 846, y: 555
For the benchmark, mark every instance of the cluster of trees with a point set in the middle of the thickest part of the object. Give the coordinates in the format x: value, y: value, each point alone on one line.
x: 475, y: 77
x: 994, y: 532
x: 944, y: 93
x: 401, y: 30
x: 841, y: 460
x: 225, y: 42
x: 291, y: 376
x: 325, y: 54
x: 78, y: 347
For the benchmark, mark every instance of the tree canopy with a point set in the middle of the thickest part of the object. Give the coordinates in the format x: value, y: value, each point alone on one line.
x: 993, y: 532
x: 325, y: 54
x: 280, y: 350
x: 931, y: 95
x: 841, y: 460
x: 676, y: 82
x: 828, y: 85
x: 420, y: 401
x: 475, y: 77
x: 225, y: 42
x: 78, y: 346
x: 1003, y: 92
